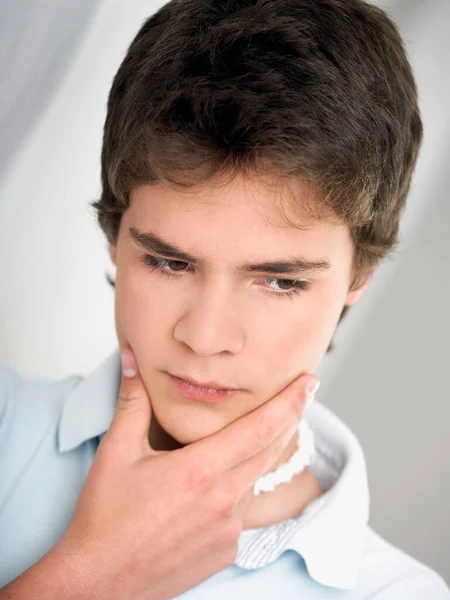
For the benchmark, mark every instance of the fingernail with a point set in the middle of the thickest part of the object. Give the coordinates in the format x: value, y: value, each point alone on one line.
x: 129, y: 367
x: 311, y: 388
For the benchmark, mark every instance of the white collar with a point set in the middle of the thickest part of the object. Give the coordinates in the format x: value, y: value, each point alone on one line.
x: 329, y: 534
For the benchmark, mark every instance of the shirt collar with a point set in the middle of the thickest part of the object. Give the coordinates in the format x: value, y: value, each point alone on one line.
x: 329, y: 534
x: 89, y: 408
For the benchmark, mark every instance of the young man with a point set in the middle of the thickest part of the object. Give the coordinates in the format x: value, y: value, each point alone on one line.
x: 256, y: 161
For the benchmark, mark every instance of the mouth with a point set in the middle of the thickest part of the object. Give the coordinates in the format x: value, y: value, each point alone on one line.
x: 210, y: 385
x: 203, y: 393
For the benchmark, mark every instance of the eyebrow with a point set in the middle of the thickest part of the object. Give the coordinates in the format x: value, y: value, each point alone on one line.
x: 151, y: 242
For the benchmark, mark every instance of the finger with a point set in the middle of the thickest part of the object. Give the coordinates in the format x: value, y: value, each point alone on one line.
x: 247, y: 436
x: 244, y: 504
x: 132, y: 418
x: 242, y: 478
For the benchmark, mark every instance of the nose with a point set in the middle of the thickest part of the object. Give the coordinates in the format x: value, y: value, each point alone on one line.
x: 212, y: 321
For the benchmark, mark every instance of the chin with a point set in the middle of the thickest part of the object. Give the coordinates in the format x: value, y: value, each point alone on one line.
x: 187, y: 434
x: 191, y: 428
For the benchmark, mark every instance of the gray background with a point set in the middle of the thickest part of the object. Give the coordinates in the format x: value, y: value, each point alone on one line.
x: 387, y: 376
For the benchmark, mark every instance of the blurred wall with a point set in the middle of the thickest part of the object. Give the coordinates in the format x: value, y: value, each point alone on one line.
x: 387, y: 375
x: 37, y: 40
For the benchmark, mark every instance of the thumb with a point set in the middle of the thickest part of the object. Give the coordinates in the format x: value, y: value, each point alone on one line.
x: 131, y: 422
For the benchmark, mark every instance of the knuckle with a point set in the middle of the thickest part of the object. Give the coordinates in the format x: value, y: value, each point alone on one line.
x: 225, y: 503
x: 128, y: 393
x: 127, y: 399
x: 199, y: 476
x: 264, y: 433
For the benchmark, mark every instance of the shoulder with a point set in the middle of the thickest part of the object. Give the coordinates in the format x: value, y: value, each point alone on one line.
x: 396, y: 575
x: 27, y: 403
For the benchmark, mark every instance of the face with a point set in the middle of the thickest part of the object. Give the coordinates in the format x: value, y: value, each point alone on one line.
x: 209, y: 318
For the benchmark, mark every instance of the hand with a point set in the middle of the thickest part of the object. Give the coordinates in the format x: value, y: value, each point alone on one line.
x: 151, y: 524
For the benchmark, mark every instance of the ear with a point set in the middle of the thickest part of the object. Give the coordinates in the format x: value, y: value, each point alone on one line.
x: 112, y: 253
x: 354, y: 295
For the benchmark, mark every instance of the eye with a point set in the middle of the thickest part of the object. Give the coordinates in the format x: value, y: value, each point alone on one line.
x: 297, y: 285
x: 160, y: 265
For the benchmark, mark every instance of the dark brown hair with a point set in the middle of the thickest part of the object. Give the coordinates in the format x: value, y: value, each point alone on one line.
x: 316, y: 91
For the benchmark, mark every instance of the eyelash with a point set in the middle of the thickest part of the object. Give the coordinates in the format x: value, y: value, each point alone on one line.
x: 158, y: 264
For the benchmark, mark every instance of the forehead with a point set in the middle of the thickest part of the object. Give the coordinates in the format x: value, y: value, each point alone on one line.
x: 242, y: 226
x: 277, y: 202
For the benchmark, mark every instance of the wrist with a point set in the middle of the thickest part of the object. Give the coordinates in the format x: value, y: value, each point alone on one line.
x: 58, y: 574
x: 71, y: 572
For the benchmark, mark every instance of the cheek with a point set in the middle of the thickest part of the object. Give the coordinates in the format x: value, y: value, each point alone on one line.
x: 323, y: 323
x: 285, y: 345
x: 138, y: 309
x: 295, y: 340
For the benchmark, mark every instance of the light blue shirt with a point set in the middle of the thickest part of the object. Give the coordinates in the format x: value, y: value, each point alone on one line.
x: 49, y: 434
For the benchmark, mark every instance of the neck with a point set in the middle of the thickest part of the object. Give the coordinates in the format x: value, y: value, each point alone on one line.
x: 287, y: 500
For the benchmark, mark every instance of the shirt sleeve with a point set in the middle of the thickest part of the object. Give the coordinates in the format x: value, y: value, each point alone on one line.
x: 5, y: 390
x: 426, y: 584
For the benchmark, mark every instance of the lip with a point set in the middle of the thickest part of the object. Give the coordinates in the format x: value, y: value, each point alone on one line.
x: 204, y: 384
x: 211, y: 395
